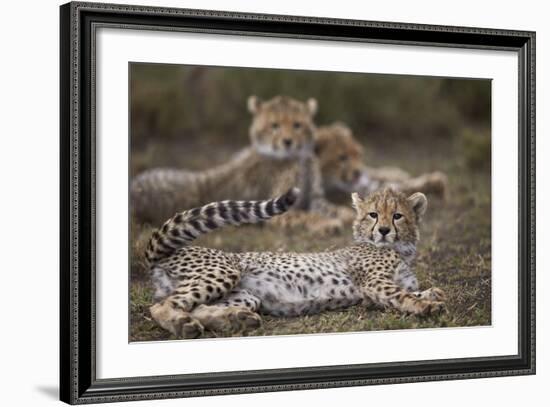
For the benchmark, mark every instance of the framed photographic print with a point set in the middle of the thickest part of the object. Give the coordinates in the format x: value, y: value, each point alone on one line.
x: 256, y: 203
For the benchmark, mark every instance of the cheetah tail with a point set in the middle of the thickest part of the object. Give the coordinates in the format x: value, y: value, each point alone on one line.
x: 186, y: 226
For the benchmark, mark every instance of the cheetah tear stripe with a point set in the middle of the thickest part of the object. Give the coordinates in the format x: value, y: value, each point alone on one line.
x: 186, y: 226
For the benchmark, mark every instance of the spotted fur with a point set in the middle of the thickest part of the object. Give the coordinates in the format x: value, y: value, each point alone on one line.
x: 200, y: 288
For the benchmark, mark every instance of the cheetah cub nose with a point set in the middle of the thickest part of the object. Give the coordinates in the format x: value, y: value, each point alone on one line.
x: 384, y: 230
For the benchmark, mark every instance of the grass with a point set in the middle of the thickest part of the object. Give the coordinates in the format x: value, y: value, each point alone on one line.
x: 454, y: 254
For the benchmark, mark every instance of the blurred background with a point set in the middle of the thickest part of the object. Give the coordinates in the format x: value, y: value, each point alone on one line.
x: 175, y: 109
x: 195, y: 117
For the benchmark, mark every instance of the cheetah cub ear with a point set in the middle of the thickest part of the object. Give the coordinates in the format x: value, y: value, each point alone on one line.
x: 419, y: 204
x: 312, y: 106
x: 254, y: 103
x: 356, y: 201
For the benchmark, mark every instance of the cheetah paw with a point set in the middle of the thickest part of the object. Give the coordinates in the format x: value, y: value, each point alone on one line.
x: 176, y: 321
x: 440, y: 185
x: 244, y: 319
x: 433, y: 294
x: 188, y: 328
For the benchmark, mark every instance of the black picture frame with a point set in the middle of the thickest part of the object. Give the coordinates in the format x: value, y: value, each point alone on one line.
x: 78, y: 382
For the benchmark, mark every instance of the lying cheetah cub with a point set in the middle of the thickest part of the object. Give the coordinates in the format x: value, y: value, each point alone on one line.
x: 199, y: 288
x: 280, y: 155
x: 341, y: 158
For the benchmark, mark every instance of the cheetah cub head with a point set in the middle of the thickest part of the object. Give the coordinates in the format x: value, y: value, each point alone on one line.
x: 388, y: 218
x: 282, y: 127
x: 341, y: 157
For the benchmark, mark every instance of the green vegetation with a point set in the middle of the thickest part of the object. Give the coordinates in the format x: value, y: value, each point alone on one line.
x: 418, y: 124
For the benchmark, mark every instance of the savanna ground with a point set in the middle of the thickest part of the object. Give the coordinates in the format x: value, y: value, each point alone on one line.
x: 455, y: 244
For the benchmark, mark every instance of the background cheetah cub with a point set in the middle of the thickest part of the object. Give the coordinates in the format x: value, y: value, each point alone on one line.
x: 199, y: 288
x: 280, y: 156
x: 342, y: 162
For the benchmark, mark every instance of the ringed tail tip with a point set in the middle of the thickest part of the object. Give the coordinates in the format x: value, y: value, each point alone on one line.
x: 291, y: 196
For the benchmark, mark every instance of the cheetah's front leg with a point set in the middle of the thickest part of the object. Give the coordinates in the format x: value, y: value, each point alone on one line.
x: 432, y: 294
x: 431, y: 183
x: 175, y: 319
x: 234, y: 313
x: 389, y: 294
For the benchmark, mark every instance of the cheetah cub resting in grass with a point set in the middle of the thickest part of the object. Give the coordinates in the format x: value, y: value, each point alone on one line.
x: 199, y: 288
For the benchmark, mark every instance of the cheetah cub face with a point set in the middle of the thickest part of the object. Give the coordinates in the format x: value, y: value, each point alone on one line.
x: 282, y: 127
x: 341, y: 157
x: 388, y: 218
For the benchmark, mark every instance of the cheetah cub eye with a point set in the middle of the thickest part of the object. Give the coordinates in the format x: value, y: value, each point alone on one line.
x: 397, y: 216
x: 373, y: 215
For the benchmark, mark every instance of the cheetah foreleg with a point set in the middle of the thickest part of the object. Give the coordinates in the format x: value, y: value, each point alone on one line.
x: 431, y: 294
x: 227, y: 319
x: 389, y: 294
x: 235, y: 313
x: 176, y: 320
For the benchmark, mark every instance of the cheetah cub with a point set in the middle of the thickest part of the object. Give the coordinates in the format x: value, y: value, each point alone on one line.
x: 342, y: 161
x: 199, y: 288
x: 280, y: 156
